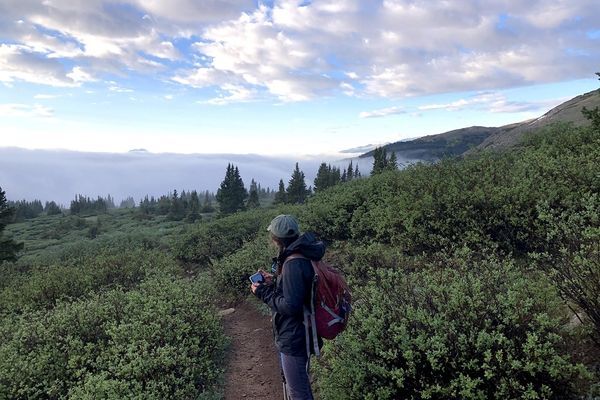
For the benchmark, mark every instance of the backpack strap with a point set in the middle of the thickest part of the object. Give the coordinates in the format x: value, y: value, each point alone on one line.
x: 309, y: 314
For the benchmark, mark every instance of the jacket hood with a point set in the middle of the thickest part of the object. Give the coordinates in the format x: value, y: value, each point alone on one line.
x: 307, y: 245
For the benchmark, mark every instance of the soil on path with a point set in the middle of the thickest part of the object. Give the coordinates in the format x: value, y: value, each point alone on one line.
x: 252, y: 369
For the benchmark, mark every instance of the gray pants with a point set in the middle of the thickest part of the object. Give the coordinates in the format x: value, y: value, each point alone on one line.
x: 295, y: 371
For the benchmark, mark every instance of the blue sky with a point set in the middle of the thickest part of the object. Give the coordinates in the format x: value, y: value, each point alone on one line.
x: 282, y: 77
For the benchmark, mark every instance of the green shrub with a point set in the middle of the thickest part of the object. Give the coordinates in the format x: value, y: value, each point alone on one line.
x: 472, y: 331
x: 44, y: 285
x: 220, y: 237
x: 231, y: 272
x: 162, y: 340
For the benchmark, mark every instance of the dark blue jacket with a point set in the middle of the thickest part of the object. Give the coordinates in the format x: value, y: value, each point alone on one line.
x: 291, y: 292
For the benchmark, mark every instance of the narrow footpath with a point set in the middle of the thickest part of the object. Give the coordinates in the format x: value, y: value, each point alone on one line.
x: 252, y: 368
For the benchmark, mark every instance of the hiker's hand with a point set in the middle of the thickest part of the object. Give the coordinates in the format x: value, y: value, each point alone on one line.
x: 268, y: 277
x: 254, y: 287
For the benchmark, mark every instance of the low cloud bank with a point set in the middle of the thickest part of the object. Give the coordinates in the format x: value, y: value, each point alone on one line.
x: 59, y: 175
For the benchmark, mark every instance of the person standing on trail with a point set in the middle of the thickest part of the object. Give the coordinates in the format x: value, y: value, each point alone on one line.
x: 288, y: 293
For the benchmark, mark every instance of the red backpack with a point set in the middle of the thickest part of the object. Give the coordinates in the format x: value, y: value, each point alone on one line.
x: 331, y: 305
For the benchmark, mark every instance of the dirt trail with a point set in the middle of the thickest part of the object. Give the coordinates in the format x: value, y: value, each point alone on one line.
x: 252, y: 368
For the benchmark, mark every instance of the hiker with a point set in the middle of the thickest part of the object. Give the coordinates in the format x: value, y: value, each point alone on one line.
x: 288, y: 294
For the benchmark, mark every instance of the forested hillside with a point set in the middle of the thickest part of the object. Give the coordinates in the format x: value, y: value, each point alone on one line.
x: 473, y: 278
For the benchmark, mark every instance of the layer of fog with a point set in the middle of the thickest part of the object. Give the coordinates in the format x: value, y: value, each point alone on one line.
x: 60, y: 175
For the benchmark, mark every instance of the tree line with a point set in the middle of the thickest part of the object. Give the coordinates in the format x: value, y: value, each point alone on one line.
x: 232, y: 195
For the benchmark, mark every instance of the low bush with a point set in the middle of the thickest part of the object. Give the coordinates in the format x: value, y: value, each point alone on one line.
x: 231, y: 272
x: 42, y: 286
x: 161, y: 340
x: 476, y: 330
x: 220, y: 237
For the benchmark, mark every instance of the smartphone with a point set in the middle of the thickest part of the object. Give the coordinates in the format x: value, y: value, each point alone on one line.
x: 257, y: 278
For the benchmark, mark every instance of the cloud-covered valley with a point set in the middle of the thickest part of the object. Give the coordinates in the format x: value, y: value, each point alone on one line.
x: 59, y: 175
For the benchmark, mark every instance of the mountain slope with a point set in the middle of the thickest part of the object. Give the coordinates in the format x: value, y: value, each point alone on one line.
x: 461, y: 141
x: 569, y: 111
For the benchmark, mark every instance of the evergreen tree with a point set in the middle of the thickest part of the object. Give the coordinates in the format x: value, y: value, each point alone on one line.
x: 335, y: 176
x: 194, y: 208
x: 392, y: 163
x: 145, y: 207
x: 52, y: 208
x: 253, y: 197
x: 380, y: 160
x: 231, y: 196
x: 8, y: 247
x: 280, y: 195
x: 297, y: 191
x: 350, y: 172
x: 176, y: 210
x: 110, y: 202
x: 356, y: 172
x: 207, y: 207
x: 129, y: 202
x: 23, y: 209
x: 322, y: 179
x: 163, y: 205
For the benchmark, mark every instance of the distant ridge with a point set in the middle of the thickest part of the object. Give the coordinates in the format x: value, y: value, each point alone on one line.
x: 461, y: 141
x: 569, y: 111
x: 434, y: 147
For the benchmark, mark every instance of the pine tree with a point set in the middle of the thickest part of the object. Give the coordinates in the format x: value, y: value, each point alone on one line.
x: 232, y: 195
x: 52, y: 208
x: 194, y: 208
x: 176, y: 210
x: 380, y: 161
x: 392, y: 163
x: 297, y: 191
x: 335, y: 176
x: 8, y: 247
x: 350, y: 172
x: 207, y: 207
x: 145, y: 208
x: 253, y: 196
x: 356, y: 172
x: 322, y: 179
x: 280, y: 195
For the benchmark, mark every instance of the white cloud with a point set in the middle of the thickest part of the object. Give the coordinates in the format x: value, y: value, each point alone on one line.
x: 25, y: 110
x: 235, y: 94
x: 495, y: 103
x: 78, y: 75
x: 194, y: 11
x: 19, y: 63
x: 384, y: 112
x: 113, y: 87
x: 296, y: 50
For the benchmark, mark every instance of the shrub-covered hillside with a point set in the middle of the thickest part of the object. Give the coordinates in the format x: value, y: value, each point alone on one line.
x: 109, y: 316
x: 473, y: 278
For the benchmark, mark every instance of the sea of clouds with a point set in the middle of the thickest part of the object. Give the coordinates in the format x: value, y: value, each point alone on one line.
x: 60, y: 175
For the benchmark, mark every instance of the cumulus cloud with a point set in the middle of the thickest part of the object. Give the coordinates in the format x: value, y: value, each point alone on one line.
x: 295, y: 50
x: 253, y: 51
